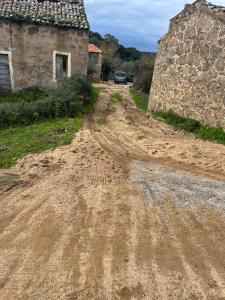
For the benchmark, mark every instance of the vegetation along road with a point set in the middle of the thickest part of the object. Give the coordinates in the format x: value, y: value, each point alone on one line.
x: 132, y: 209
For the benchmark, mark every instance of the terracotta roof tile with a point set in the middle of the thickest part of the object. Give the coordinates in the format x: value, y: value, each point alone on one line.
x: 65, y: 13
x: 93, y: 49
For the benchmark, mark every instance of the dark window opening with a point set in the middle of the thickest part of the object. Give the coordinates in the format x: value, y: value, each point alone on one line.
x: 93, y: 58
x: 61, y: 66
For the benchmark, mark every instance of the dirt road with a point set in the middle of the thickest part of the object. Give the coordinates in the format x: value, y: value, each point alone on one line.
x: 131, y: 210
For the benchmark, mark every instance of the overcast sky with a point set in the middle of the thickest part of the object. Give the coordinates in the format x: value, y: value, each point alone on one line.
x: 136, y: 23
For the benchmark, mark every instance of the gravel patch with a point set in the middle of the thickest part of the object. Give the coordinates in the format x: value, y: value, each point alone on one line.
x: 186, y: 190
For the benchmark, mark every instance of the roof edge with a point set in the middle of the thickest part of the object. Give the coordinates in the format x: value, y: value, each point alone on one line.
x: 201, y: 5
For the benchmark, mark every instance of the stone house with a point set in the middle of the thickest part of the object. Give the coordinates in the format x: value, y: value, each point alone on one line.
x: 189, y: 75
x: 95, y: 61
x: 41, y: 41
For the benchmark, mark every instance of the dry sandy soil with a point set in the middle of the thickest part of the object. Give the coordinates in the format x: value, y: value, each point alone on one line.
x: 130, y: 210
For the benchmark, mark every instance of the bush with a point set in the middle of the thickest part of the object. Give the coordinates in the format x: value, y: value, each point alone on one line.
x: 26, y: 95
x: 68, y: 99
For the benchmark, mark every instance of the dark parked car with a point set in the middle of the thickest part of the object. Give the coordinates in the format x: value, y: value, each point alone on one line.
x: 120, y: 77
x: 130, y: 78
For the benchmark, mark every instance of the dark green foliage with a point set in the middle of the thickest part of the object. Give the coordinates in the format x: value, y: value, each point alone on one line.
x: 26, y: 95
x: 192, y: 126
x: 95, y: 38
x: 70, y: 98
x: 144, y: 73
x: 140, y: 99
x: 143, y: 80
x: 107, y: 67
x: 116, y: 57
x: 128, y: 54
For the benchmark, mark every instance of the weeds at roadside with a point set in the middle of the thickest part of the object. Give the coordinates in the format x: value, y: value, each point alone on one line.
x: 116, y: 98
x: 140, y: 99
x: 190, y: 125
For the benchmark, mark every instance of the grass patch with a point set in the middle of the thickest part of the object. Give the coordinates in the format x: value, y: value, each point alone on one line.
x: 140, y: 99
x: 117, y: 98
x: 19, y: 141
x: 199, y: 130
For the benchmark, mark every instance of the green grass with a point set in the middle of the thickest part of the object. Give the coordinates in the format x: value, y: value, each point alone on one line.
x: 117, y: 98
x: 17, y: 142
x: 27, y: 95
x: 199, y: 130
x: 140, y: 99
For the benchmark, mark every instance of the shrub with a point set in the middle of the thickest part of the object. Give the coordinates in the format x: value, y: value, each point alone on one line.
x: 26, y: 95
x: 68, y: 99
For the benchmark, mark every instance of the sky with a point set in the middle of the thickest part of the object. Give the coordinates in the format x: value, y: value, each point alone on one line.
x: 136, y: 23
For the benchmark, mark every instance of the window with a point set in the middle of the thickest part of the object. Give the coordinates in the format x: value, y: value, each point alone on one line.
x: 6, y: 71
x: 61, y: 65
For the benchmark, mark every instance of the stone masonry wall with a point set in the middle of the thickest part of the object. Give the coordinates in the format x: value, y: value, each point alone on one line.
x: 32, y: 51
x: 189, y: 76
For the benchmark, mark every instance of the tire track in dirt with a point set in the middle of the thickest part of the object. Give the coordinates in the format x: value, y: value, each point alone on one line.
x: 103, y: 221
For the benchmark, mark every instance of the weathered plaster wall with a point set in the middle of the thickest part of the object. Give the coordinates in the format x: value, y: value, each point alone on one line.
x: 96, y: 76
x: 32, y: 51
x: 189, y: 76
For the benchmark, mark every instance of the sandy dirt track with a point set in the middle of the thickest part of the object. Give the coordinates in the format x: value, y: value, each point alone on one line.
x: 130, y: 210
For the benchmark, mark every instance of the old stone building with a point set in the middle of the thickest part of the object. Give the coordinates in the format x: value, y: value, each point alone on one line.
x: 41, y: 41
x: 95, y: 61
x: 189, y: 75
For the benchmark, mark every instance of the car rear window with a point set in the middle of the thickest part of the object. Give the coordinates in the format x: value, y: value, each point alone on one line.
x: 121, y: 74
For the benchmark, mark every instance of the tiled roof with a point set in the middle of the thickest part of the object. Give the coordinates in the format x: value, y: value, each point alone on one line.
x: 93, y: 49
x: 64, y: 13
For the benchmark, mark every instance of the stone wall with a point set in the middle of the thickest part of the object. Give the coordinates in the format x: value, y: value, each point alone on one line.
x: 189, y: 75
x: 32, y: 51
